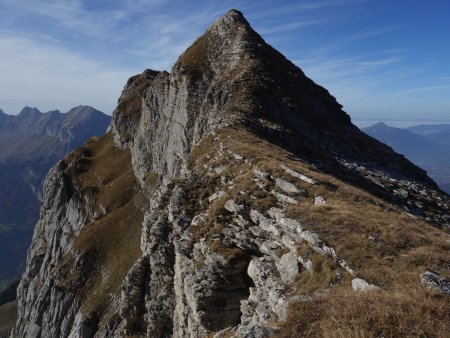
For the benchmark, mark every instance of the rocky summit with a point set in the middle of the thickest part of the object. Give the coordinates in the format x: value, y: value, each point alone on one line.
x: 233, y: 197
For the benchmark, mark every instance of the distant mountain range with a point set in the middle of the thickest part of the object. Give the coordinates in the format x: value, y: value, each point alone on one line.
x: 440, y: 133
x: 30, y: 143
x: 428, y: 146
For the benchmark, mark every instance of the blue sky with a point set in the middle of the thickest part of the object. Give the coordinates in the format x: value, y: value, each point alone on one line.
x: 381, y: 59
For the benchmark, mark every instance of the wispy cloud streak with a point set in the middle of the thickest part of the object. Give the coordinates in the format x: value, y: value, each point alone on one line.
x: 77, y: 44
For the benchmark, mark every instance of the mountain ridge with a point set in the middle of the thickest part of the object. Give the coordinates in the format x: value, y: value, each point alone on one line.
x: 226, y: 193
x: 423, y: 148
x: 392, y: 135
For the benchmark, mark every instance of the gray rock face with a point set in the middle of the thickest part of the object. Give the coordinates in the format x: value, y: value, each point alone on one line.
x: 44, y: 309
x: 132, y: 301
x: 180, y: 107
x: 288, y: 267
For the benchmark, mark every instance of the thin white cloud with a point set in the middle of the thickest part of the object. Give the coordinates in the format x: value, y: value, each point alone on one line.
x: 424, y: 89
x: 77, y: 16
x: 356, y: 79
x: 37, y: 74
x: 290, y: 26
x: 368, y: 34
x: 301, y: 7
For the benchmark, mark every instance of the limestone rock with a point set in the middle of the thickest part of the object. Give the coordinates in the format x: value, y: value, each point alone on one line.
x: 298, y: 175
x: 288, y: 267
x: 253, y: 331
x: 286, y: 186
x: 216, y: 195
x: 231, y: 206
x: 132, y: 298
x: 283, y: 198
x: 319, y: 200
x: 359, y: 284
x: 307, y: 264
x: 432, y: 280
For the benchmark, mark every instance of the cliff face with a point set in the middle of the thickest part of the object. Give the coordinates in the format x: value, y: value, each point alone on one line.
x: 226, y: 193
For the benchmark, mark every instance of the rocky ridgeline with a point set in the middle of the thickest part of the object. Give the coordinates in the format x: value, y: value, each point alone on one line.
x: 415, y: 198
x: 216, y: 156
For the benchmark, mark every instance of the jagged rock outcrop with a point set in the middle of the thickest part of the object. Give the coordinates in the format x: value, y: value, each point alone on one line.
x: 195, y: 216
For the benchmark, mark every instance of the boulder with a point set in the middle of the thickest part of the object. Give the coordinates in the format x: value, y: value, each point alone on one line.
x: 359, y: 284
x: 319, y: 200
x: 231, y: 206
x: 286, y: 186
x: 433, y: 280
x: 288, y: 267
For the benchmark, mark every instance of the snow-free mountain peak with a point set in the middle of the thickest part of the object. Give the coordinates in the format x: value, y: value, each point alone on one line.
x: 226, y: 195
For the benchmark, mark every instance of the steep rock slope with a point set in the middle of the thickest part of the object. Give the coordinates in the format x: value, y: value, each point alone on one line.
x: 31, y: 142
x: 228, y: 193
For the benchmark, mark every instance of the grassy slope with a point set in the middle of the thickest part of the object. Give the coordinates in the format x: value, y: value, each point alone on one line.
x: 409, y: 247
x: 111, y: 244
x: 8, y: 313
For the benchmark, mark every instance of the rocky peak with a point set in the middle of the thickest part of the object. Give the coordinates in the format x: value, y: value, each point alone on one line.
x: 3, y: 118
x: 82, y: 111
x: 231, y: 75
x: 228, y: 189
x: 29, y: 111
x: 230, y: 20
x: 54, y: 112
x: 224, y: 43
x: 380, y: 124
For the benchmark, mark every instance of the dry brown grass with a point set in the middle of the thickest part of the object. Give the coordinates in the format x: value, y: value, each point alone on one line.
x: 324, y: 275
x: 113, y: 242
x: 103, y: 172
x: 405, y: 248
x: 407, y: 244
x: 195, y: 58
x: 110, y: 244
x: 151, y: 179
x: 344, y: 313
